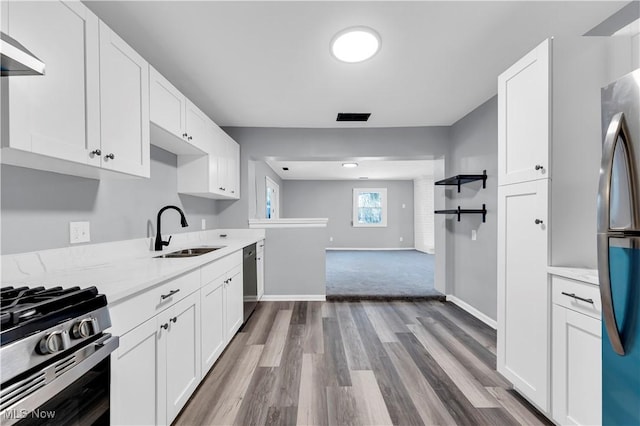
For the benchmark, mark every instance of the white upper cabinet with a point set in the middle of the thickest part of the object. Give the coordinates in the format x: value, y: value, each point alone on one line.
x: 196, y: 126
x: 167, y: 105
x: 124, y: 106
x: 523, y: 118
x: 88, y: 115
x: 216, y: 175
x: 180, y: 124
x: 55, y: 115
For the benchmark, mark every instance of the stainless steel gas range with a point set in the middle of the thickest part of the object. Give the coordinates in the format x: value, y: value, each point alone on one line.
x: 54, y: 356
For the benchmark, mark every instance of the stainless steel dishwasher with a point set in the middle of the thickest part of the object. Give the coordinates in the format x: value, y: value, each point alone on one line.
x: 250, y: 280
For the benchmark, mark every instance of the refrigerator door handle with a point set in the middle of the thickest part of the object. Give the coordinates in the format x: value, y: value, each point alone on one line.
x: 617, y: 130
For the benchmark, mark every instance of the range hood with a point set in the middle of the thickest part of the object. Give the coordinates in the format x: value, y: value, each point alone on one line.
x: 15, y: 59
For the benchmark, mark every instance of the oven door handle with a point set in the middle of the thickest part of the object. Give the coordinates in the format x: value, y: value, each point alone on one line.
x: 35, y: 390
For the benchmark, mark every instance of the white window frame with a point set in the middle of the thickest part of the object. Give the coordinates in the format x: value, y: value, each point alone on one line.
x: 354, y: 221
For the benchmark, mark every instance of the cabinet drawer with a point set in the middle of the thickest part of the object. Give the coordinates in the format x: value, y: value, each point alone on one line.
x: 133, y: 311
x: 562, y: 285
x: 220, y: 267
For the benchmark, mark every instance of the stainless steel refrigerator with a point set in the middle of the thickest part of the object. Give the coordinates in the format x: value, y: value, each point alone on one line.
x: 619, y: 251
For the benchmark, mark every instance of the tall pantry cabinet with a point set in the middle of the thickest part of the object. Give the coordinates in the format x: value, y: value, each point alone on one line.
x: 549, y: 146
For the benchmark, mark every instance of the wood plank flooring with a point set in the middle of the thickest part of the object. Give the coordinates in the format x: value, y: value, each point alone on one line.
x: 359, y: 363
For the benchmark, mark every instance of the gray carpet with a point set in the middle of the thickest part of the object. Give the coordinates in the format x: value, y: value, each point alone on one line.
x: 379, y: 273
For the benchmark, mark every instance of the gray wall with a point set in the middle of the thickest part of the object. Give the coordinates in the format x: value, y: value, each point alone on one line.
x: 473, y: 277
x: 334, y: 199
x: 37, y: 206
x: 295, y: 261
x: 258, y: 143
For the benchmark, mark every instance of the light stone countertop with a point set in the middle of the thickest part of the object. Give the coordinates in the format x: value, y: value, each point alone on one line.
x: 120, y: 278
x: 580, y: 274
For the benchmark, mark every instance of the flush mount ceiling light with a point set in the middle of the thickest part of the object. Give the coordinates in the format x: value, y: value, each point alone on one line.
x: 355, y: 44
x: 349, y: 165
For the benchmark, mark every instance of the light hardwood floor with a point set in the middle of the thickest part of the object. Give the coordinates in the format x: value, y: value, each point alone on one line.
x: 359, y: 363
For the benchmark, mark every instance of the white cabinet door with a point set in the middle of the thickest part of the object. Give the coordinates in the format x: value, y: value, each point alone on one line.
x: 124, y: 106
x: 523, y: 118
x: 233, y: 305
x: 196, y: 126
x: 183, y: 352
x: 233, y: 168
x: 260, y: 269
x: 523, y: 289
x: 138, y: 377
x: 167, y: 105
x: 56, y: 115
x: 577, y: 368
x: 212, y: 327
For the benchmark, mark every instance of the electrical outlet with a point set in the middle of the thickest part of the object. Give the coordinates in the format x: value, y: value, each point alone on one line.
x: 474, y: 235
x: 79, y: 232
x: 404, y: 205
x: 330, y: 238
x: 401, y: 239
x: 204, y: 224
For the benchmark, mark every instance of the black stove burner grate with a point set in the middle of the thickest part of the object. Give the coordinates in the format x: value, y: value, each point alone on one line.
x: 24, y: 310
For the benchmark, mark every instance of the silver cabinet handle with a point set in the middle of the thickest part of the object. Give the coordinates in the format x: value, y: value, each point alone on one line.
x: 97, y: 152
x: 173, y: 320
x: 538, y: 221
x: 165, y: 326
x: 110, y: 156
x: 539, y: 167
x: 171, y: 293
x: 617, y: 130
x: 573, y: 295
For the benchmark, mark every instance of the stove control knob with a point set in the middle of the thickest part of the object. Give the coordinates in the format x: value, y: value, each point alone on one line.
x: 54, y: 342
x: 85, y: 328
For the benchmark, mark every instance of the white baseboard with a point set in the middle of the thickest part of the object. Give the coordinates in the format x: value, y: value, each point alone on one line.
x: 367, y: 249
x: 473, y: 311
x: 293, y: 297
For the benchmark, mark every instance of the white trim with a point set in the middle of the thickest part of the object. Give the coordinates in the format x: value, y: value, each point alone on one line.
x: 368, y: 249
x: 473, y: 311
x: 319, y: 222
x: 293, y: 297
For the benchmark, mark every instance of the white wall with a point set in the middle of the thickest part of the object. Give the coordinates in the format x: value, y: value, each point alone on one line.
x: 423, y: 217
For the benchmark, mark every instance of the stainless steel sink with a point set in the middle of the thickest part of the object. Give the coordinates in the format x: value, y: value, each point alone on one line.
x: 190, y: 252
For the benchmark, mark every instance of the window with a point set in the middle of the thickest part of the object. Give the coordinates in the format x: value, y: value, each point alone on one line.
x: 272, y: 199
x: 370, y: 207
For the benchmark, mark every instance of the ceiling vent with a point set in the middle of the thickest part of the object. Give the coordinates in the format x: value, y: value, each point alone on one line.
x: 353, y: 116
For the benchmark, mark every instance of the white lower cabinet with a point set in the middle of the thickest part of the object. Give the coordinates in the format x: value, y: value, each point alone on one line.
x: 576, y: 354
x: 182, y: 346
x: 523, y: 289
x: 260, y: 269
x: 213, y: 336
x: 138, y: 376
x: 157, y: 366
x: 233, y: 296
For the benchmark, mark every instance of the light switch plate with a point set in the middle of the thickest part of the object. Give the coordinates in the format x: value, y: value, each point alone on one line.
x: 204, y: 224
x: 474, y: 235
x: 79, y: 232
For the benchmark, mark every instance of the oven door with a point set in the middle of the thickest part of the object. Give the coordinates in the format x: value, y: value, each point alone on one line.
x: 71, y: 390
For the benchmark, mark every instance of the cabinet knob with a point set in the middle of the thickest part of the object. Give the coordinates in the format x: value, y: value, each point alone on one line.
x: 189, y: 138
x: 96, y: 152
x: 222, y: 189
x: 538, y: 221
x: 173, y: 320
x: 233, y: 192
x: 539, y: 167
x: 165, y: 326
x: 184, y: 135
x: 110, y: 156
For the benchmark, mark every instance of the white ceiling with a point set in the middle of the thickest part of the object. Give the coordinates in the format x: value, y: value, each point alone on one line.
x: 268, y: 63
x: 371, y: 168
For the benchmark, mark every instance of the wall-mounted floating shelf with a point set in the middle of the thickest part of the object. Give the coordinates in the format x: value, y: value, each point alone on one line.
x: 460, y: 211
x: 462, y: 179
